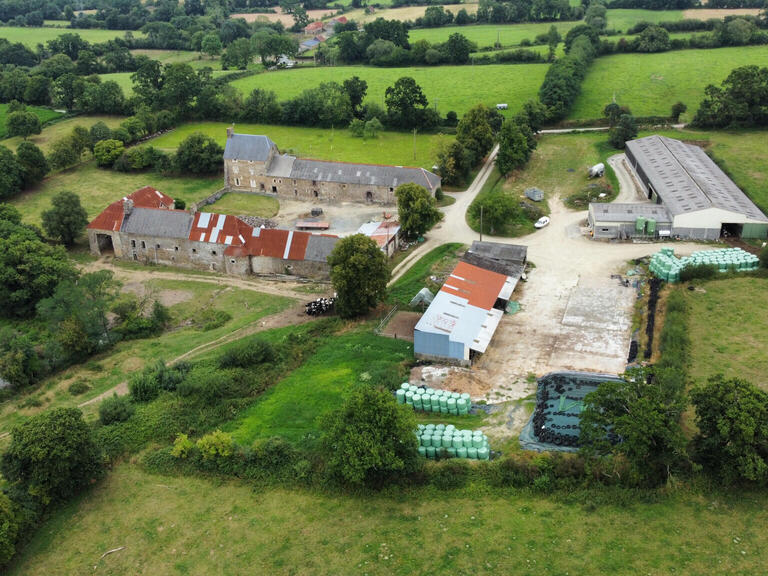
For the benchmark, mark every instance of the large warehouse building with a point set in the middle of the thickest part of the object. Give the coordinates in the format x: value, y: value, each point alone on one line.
x: 462, y: 318
x: 694, y: 199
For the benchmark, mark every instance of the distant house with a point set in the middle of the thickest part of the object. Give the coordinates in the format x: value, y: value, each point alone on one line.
x: 313, y: 28
x: 285, y: 61
x: 330, y: 26
x: 462, y: 318
x: 308, y: 45
x: 385, y: 234
x: 252, y: 163
x: 145, y: 227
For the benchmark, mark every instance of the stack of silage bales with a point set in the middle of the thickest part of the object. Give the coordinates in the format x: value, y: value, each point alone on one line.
x: 666, y: 266
x: 446, y: 441
x: 424, y: 399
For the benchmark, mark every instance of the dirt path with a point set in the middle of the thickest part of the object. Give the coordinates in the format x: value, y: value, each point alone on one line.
x: 290, y: 317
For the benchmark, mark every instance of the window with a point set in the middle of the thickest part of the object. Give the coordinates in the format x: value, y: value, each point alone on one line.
x: 143, y: 245
x: 231, y: 261
x: 133, y: 243
x: 194, y: 250
x: 237, y: 181
x: 295, y: 192
x: 176, y: 248
x: 157, y: 246
x: 135, y: 257
x: 274, y: 189
x: 391, y: 189
x: 213, y: 252
x: 315, y: 192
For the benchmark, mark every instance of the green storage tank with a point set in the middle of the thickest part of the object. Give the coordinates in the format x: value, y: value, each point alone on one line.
x: 640, y: 225
x: 651, y: 226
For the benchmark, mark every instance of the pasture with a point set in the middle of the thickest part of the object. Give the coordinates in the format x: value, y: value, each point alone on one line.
x: 291, y: 407
x: 650, y: 83
x: 395, y: 148
x: 45, y: 115
x: 728, y: 325
x: 623, y: 19
x: 57, y: 130
x: 194, y: 59
x: 456, y: 88
x: 98, y: 187
x: 174, y: 525
x: 31, y: 37
x: 187, y: 300
x: 404, y: 13
x: 487, y: 35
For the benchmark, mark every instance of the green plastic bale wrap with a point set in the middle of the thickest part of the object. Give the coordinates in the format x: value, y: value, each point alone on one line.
x: 405, y: 386
x: 472, y: 453
x: 483, y: 453
x: 443, y: 402
x: 400, y: 394
x: 452, y: 404
x: 425, y: 405
x: 461, y: 452
x: 451, y: 452
x: 447, y: 441
x: 461, y: 405
x: 477, y: 441
x: 430, y: 452
x: 467, y: 442
x: 417, y: 401
x: 430, y: 427
x: 451, y: 428
x: 426, y: 440
x: 440, y: 427
x: 457, y: 442
x: 435, y: 401
x: 409, y: 397
x: 437, y: 441
x: 422, y: 451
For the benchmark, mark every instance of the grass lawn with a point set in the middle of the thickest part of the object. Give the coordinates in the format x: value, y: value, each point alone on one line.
x: 194, y: 59
x: 404, y: 13
x: 456, y: 88
x: 189, y: 525
x: 248, y: 204
x: 117, y: 364
x: 623, y: 19
x: 389, y: 148
x: 650, y: 83
x: 729, y: 330
x: 45, y: 115
x: 31, y: 37
x: 486, y: 35
x: 438, y: 262
x: 291, y: 407
x: 98, y: 188
x: 58, y: 130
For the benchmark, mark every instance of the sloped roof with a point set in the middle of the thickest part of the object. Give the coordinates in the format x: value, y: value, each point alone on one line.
x: 112, y: 217
x: 159, y: 223
x: 251, y: 147
x: 313, y: 26
x: 612, y: 212
x: 219, y: 229
x: 463, y: 308
x: 380, y: 232
x: 285, y: 244
x: 687, y: 180
x: 361, y: 174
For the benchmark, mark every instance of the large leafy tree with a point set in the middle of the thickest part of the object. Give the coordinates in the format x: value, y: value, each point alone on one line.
x: 514, y: 149
x: 33, y: 164
x: 11, y: 174
x: 416, y: 209
x: 66, y: 218
x: 22, y: 123
x: 356, y: 89
x: 211, y: 44
x: 474, y: 131
x: 494, y: 211
x: 9, y: 529
x: 199, y: 154
x: 454, y: 162
x: 644, y: 414
x: 732, y: 417
x: 405, y: 103
x: 457, y: 48
x: 625, y: 129
x: 52, y: 456
x: 370, y: 439
x: 359, y: 274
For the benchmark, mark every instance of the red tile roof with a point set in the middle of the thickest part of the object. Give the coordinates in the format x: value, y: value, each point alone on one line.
x: 219, y: 229
x: 480, y: 287
x: 313, y: 26
x: 112, y: 217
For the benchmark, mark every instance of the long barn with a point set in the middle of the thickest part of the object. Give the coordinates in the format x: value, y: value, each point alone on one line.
x: 694, y: 198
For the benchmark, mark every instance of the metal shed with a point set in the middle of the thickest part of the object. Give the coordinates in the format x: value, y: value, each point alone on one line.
x: 535, y: 194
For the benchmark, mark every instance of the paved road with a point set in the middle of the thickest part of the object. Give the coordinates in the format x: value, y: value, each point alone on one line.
x: 592, y: 129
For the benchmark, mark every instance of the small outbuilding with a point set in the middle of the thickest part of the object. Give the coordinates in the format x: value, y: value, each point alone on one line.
x: 535, y: 194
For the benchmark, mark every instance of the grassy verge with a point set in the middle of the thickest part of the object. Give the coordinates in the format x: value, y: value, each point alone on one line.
x: 389, y: 148
x: 114, y: 366
x: 650, y: 83
x: 189, y: 525
x: 98, y: 188
x: 248, y: 204
x: 456, y: 88
x: 291, y: 407
x: 437, y: 262
x: 728, y: 323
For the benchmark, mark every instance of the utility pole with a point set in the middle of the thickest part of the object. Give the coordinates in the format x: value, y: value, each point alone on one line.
x: 414, y: 143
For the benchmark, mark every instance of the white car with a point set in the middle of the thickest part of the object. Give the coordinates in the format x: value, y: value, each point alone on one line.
x: 541, y: 222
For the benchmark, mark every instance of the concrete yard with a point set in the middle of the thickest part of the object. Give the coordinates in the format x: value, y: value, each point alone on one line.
x: 345, y: 217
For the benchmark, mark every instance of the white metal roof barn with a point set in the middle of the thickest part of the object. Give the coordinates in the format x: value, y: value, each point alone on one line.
x: 702, y: 202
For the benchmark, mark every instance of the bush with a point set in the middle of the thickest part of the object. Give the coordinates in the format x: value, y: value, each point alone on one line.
x: 448, y: 475
x: 247, y: 354
x: 115, y: 409
x: 147, y: 385
x: 9, y: 530
x: 108, y: 151
x: 700, y: 271
x: 183, y: 447
x: 210, y: 318
x: 216, y: 446
x: 78, y: 387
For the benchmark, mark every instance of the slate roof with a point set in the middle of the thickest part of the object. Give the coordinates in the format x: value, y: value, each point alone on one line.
x: 358, y: 174
x: 248, y: 147
x: 612, y: 212
x: 112, y: 217
x: 687, y: 180
x: 160, y: 223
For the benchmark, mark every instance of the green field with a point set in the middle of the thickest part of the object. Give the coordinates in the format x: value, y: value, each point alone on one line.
x: 31, y: 37
x: 486, y: 35
x: 57, y: 130
x: 98, y: 188
x: 395, y: 148
x: 456, y: 88
x: 728, y: 323
x: 248, y: 204
x: 195, y: 59
x: 123, y: 79
x: 117, y: 364
x: 291, y: 407
x: 623, y: 19
x: 45, y: 115
x: 650, y: 83
x: 188, y: 525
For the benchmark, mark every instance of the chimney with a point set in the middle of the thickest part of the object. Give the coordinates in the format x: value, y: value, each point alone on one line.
x: 230, y: 131
x: 127, y: 206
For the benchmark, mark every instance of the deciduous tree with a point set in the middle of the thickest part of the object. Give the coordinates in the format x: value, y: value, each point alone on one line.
x: 66, y: 218
x: 416, y: 209
x: 359, y: 274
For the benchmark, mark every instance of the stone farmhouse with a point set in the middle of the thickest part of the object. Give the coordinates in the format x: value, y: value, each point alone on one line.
x: 145, y: 227
x: 254, y: 164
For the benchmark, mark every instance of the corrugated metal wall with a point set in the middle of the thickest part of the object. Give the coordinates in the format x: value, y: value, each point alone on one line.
x: 754, y: 231
x: 437, y: 345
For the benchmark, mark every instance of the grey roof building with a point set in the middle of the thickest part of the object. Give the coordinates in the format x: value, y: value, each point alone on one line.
x: 701, y: 200
x: 158, y: 223
x: 248, y: 147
